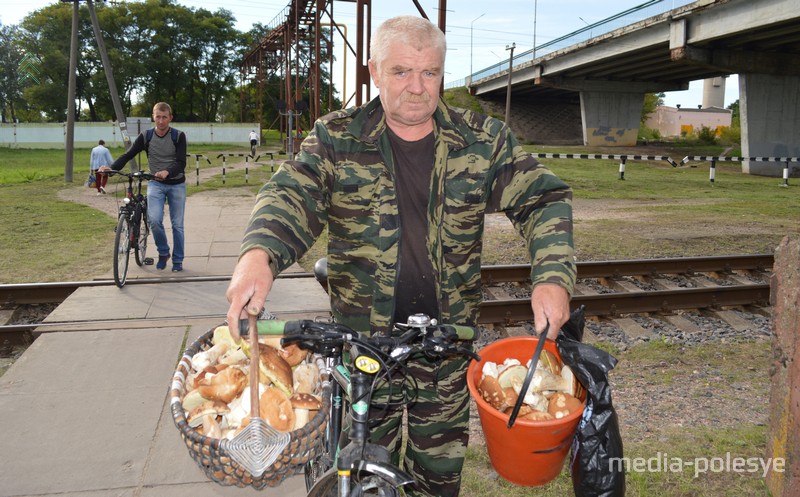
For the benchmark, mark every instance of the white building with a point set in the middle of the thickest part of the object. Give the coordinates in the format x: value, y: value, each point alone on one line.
x: 675, y: 121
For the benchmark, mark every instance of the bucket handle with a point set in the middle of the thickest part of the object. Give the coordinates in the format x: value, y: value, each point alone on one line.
x: 529, y: 375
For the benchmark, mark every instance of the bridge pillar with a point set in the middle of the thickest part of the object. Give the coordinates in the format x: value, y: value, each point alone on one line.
x: 770, y: 120
x: 611, y: 118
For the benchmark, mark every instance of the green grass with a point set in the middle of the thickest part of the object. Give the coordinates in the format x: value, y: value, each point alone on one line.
x: 680, y: 448
x: 45, y: 239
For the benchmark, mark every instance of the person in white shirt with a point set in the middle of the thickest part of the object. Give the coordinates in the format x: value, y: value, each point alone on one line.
x: 100, y: 157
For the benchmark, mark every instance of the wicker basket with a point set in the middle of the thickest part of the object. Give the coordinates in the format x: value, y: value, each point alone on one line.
x: 210, y: 453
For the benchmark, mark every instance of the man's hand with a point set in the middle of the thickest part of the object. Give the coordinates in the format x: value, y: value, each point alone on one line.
x: 161, y: 175
x: 250, y: 284
x: 103, y: 169
x: 550, y: 303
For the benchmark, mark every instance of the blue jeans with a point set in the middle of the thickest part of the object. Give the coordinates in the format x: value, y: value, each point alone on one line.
x: 159, y: 194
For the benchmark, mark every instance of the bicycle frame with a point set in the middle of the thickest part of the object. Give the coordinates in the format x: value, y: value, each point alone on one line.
x: 132, y: 227
x: 349, y: 452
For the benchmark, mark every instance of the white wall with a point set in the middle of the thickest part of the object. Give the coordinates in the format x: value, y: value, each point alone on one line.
x: 53, y: 135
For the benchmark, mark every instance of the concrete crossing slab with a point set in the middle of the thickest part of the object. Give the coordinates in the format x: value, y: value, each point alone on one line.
x: 84, y: 407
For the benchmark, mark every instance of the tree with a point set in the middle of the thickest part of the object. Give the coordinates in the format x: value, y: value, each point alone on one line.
x: 12, y: 75
x: 735, y: 115
x: 159, y: 50
x: 651, y: 102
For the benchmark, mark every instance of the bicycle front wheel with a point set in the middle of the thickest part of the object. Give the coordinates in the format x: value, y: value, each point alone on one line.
x: 326, y: 486
x: 122, y: 250
x: 140, y: 249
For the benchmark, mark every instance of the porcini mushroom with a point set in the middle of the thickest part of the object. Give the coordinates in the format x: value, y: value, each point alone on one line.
x: 537, y: 416
x: 543, y: 380
x: 306, y: 378
x: 563, y: 404
x: 293, y: 354
x: 208, y: 408
x: 493, y: 393
x: 275, y: 367
x: 224, y: 386
x: 192, y: 399
x: 208, y: 357
x: 303, y: 404
x: 549, y: 362
x: 211, y: 427
x: 276, y: 409
x: 512, y: 376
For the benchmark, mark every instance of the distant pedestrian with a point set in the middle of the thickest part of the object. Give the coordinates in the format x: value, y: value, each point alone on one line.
x: 100, y: 157
x: 253, y: 142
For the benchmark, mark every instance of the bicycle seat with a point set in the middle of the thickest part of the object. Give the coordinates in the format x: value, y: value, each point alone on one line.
x: 321, y: 270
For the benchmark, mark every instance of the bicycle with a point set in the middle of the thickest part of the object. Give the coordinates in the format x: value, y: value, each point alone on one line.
x: 349, y: 464
x: 132, y: 229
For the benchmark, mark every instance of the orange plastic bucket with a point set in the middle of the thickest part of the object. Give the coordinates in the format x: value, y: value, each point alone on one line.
x: 530, y: 453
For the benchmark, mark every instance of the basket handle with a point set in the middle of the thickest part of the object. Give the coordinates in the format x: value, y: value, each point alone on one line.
x: 254, y: 366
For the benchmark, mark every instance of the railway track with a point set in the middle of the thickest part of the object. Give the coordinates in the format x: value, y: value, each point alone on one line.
x: 607, y: 289
x: 615, y: 288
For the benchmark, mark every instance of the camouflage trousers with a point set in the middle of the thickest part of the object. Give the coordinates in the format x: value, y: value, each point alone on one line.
x: 437, y: 422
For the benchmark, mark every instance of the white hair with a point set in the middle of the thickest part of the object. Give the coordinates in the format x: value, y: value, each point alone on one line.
x: 417, y: 32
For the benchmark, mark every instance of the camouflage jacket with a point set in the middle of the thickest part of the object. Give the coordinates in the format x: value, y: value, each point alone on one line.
x: 343, y: 179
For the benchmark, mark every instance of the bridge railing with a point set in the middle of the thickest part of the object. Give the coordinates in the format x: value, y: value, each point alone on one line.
x: 633, y: 15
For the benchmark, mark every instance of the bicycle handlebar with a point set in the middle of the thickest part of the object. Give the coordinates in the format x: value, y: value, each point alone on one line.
x: 136, y: 174
x: 431, y: 338
x: 279, y: 327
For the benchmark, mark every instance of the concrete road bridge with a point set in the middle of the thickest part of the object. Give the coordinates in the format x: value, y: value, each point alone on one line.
x: 608, y: 75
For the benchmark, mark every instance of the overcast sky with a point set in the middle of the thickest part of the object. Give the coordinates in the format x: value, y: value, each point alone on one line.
x: 478, y: 32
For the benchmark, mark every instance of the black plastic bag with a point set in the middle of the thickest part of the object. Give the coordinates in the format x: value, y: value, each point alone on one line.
x: 595, y: 463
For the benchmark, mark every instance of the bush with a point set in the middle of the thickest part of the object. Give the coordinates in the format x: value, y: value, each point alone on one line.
x: 706, y: 135
x: 646, y: 133
x: 730, y: 135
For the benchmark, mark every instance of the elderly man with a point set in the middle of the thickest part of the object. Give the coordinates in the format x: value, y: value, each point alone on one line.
x: 402, y: 185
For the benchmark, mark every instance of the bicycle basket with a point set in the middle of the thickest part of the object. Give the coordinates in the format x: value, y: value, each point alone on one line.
x: 211, y: 453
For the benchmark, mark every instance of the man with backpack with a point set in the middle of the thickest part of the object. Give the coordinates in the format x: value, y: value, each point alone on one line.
x: 166, y: 155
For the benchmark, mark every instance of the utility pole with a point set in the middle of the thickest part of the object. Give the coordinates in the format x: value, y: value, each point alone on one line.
x: 470, y: 46
x: 291, y: 131
x: 112, y: 86
x: 508, y: 87
x: 69, y: 145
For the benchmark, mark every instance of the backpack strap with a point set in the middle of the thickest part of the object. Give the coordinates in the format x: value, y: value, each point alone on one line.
x: 148, y: 135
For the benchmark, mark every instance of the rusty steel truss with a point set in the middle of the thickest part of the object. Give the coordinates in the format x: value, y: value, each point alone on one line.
x: 292, y: 50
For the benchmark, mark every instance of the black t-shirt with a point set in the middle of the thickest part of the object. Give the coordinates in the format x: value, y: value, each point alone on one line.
x: 416, y: 289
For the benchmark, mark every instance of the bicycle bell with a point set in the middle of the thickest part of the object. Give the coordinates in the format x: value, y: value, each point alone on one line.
x: 420, y: 321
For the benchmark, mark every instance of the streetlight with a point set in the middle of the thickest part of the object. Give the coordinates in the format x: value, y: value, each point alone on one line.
x: 587, y: 24
x: 508, y: 87
x: 470, y: 46
x: 535, y: 5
